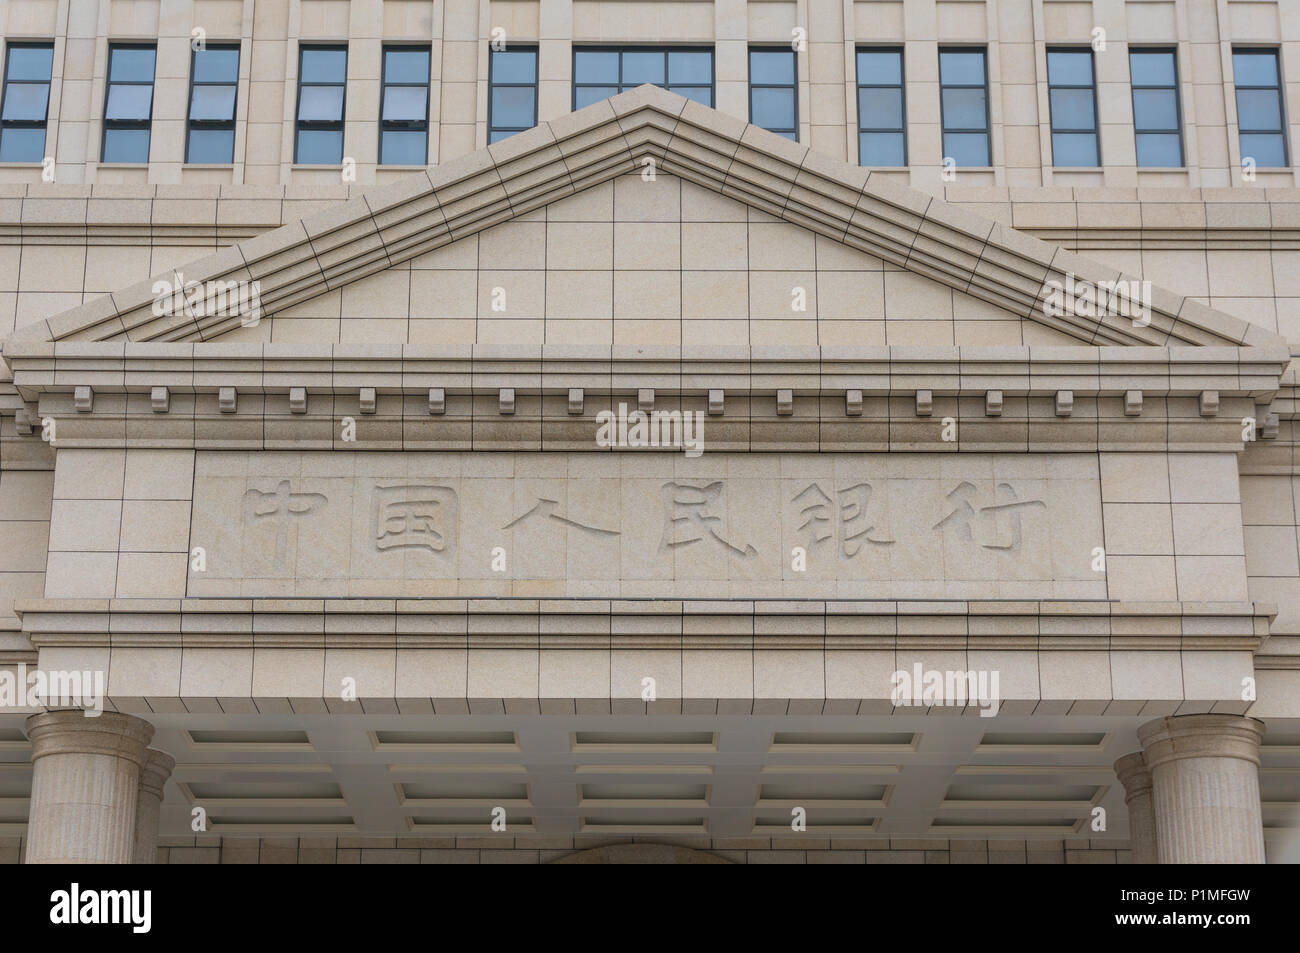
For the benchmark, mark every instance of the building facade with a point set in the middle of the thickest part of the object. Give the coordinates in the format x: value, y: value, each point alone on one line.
x: 659, y: 430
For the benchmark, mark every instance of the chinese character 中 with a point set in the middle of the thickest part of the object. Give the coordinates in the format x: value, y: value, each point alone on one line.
x: 282, y: 506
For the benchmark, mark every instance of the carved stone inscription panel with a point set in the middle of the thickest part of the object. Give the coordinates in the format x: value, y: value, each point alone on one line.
x: 862, y: 526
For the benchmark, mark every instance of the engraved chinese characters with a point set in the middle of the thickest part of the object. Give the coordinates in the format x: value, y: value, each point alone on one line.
x: 609, y: 525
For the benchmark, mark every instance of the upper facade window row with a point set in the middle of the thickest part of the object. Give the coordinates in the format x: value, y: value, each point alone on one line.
x: 601, y: 72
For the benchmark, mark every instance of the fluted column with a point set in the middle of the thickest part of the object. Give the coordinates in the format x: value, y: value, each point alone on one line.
x: 148, y: 803
x: 85, y: 772
x: 1133, y: 774
x: 1205, y: 788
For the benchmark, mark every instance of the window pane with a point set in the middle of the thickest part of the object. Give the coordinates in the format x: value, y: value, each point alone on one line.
x: 513, y: 106
x: 641, y: 68
x: 1258, y: 109
x: 131, y: 66
x: 406, y: 103
x: 880, y: 108
x: 320, y: 146
x: 1254, y: 69
x: 880, y: 148
x: 771, y: 66
x: 214, y: 146
x: 516, y: 66
x: 126, y: 145
x: 324, y: 66
x: 321, y: 104
x: 1151, y: 69
x: 213, y: 103
x: 1266, y: 150
x: 26, y: 101
x: 880, y: 66
x: 497, y: 135
x: 961, y: 68
x: 967, y: 149
x: 30, y: 62
x: 701, y: 94
x: 1074, y: 149
x: 595, y: 67
x: 216, y: 66
x: 1155, y: 109
x: 586, y: 95
x: 964, y: 109
x: 406, y: 66
x: 690, y: 68
x: 772, y: 108
x: 1159, y: 149
x: 1072, y: 109
x: 403, y: 147
x: 129, y: 102
x: 1069, y: 68
x: 22, y: 145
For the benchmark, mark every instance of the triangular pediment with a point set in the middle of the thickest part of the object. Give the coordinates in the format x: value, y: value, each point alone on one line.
x: 860, y: 249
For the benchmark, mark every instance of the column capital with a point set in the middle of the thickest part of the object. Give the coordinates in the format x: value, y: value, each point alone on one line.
x: 1200, y: 736
x: 157, y: 769
x: 1133, y: 774
x: 70, y: 731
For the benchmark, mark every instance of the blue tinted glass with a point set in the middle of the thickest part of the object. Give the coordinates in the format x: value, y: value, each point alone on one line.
x: 213, y: 103
x: 126, y: 145
x: 1069, y: 68
x: 22, y: 145
x: 403, y: 147
x: 964, y: 109
x: 961, y: 68
x: 406, y: 66
x: 321, y: 104
x: 406, y: 103
x: 324, y: 66
x: 883, y: 67
x: 129, y: 102
x: 1155, y: 109
x: 1074, y: 149
x: 513, y: 106
x: 1072, y: 109
x: 130, y: 66
x: 216, y: 65
x: 1151, y: 69
x: 880, y: 148
x: 595, y: 67
x: 26, y: 101
x: 967, y: 149
x: 26, y: 62
x: 1267, y: 150
x: 586, y: 95
x: 516, y: 66
x: 701, y: 94
x: 1254, y: 69
x: 1258, y: 109
x: 211, y: 146
x: 690, y: 68
x: 772, y: 108
x: 880, y: 108
x: 771, y: 66
x: 641, y: 68
x: 320, y: 146
x: 1161, y: 150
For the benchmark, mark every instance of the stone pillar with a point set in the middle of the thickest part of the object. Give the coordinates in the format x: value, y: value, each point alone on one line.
x: 148, y: 802
x: 1132, y: 773
x: 1205, y: 788
x: 85, y: 772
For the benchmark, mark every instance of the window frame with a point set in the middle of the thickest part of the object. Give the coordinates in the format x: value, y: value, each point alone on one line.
x: 983, y: 50
x: 1052, y: 130
x: 793, y: 85
x: 315, y: 124
x: 44, y: 124
x: 535, y: 86
x: 213, y: 125
x: 621, y: 49
x: 858, y: 86
x: 402, y: 125
x: 111, y: 124
x: 1282, y: 132
x: 1172, y: 52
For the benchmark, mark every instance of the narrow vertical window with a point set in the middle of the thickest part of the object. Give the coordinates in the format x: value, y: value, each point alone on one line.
x: 404, y: 107
x: 1072, y: 99
x: 322, y: 82
x: 882, y: 123
x: 964, y: 106
x: 774, y: 91
x: 601, y: 72
x: 214, y: 82
x: 1260, y: 122
x: 26, y: 102
x: 512, y: 99
x: 128, y: 107
x: 1157, y: 118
